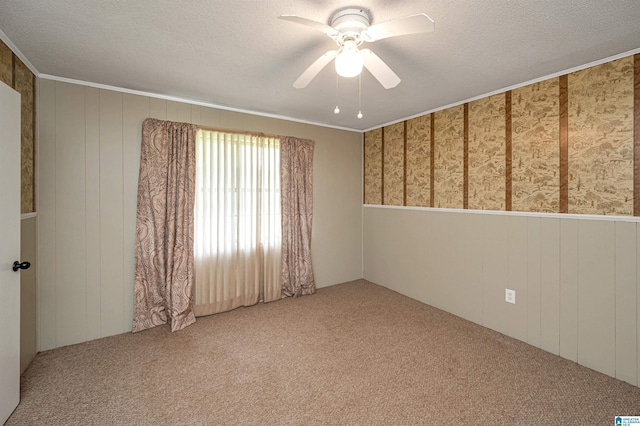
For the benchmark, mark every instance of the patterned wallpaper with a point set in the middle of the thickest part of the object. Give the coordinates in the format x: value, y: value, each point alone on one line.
x: 536, y: 158
x: 449, y: 157
x: 419, y: 161
x: 16, y: 75
x: 373, y: 167
x: 394, y: 164
x: 487, y: 153
x: 6, y: 65
x: 24, y: 83
x: 593, y: 109
x: 601, y: 139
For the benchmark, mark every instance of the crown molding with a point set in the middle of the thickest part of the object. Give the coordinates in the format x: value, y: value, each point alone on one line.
x: 18, y: 53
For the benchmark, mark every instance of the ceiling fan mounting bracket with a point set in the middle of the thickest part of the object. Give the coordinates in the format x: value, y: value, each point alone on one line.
x: 350, y: 22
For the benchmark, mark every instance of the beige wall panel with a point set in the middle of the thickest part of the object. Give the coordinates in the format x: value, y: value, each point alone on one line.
x: 550, y: 285
x: 417, y: 260
x: 487, y: 163
x: 470, y: 246
x: 46, y: 215
x: 257, y: 123
x: 70, y: 214
x: 210, y: 117
x: 569, y: 289
x: 228, y: 120
x: 92, y: 213
x: 533, y: 281
x: 495, y: 253
x: 157, y: 109
x: 234, y: 120
x: 601, y: 139
x: 443, y: 252
x: 455, y: 239
x: 467, y: 282
x: 336, y: 245
x: 6, y: 64
x: 401, y: 257
x: 445, y: 265
x: 535, y: 147
x: 419, y: 161
x: 24, y: 85
x: 195, y: 114
x: 449, y: 157
x: 172, y: 111
x: 373, y: 167
x: 397, y: 256
x: 28, y: 293
x: 135, y: 110
x: 376, y: 235
x: 378, y: 231
x: 596, y: 301
x: 111, y: 208
x: 517, y: 277
x: 394, y: 164
x: 626, y: 307
x: 184, y: 112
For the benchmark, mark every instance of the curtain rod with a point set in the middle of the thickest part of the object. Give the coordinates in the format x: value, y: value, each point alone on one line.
x: 242, y: 132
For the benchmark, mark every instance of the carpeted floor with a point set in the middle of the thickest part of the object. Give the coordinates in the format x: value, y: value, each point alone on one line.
x: 354, y: 353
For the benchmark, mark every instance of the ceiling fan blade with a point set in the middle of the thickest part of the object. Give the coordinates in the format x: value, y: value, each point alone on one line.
x: 379, y: 69
x: 330, y: 31
x: 413, y: 24
x: 314, y: 69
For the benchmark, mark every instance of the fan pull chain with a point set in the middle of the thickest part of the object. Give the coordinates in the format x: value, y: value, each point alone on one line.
x: 337, y: 109
x: 360, y: 96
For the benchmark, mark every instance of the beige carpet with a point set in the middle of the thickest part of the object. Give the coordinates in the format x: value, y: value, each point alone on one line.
x: 354, y: 353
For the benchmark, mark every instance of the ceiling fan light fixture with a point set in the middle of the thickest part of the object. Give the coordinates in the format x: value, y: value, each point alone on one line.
x: 349, y: 28
x: 349, y: 61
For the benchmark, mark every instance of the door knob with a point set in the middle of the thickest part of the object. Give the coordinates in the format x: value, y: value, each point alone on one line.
x: 17, y: 265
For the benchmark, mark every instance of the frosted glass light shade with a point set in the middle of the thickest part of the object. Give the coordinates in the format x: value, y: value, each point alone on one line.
x: 349, y: 61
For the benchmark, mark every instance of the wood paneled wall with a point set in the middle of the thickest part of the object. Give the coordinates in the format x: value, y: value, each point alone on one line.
x: 577, y: 281
x: 564, y: 145
x: 15, y: 74
x: 569, y: 144
x: 89, y: 157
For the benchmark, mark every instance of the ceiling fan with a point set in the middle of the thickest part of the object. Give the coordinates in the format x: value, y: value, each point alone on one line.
x: 350, y: 27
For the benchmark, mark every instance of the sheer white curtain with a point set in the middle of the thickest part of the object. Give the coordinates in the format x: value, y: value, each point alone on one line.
x: 237, y: 221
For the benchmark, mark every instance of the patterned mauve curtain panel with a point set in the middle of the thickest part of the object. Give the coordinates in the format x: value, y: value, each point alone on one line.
x: 296, y: 180
x: 164, y: 262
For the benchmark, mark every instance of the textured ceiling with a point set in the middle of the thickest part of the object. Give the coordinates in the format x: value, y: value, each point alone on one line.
x: 237, y: 54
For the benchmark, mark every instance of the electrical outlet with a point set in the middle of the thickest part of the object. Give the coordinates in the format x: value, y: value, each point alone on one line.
x: 510, y: 296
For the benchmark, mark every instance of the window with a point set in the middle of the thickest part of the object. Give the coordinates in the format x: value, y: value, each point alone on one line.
x: 237, y: 219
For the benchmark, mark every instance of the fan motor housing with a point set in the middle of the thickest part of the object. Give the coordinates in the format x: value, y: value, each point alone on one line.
x: 351, y: 21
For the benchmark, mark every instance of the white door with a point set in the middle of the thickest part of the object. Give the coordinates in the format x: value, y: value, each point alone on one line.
x: 9, y: 251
